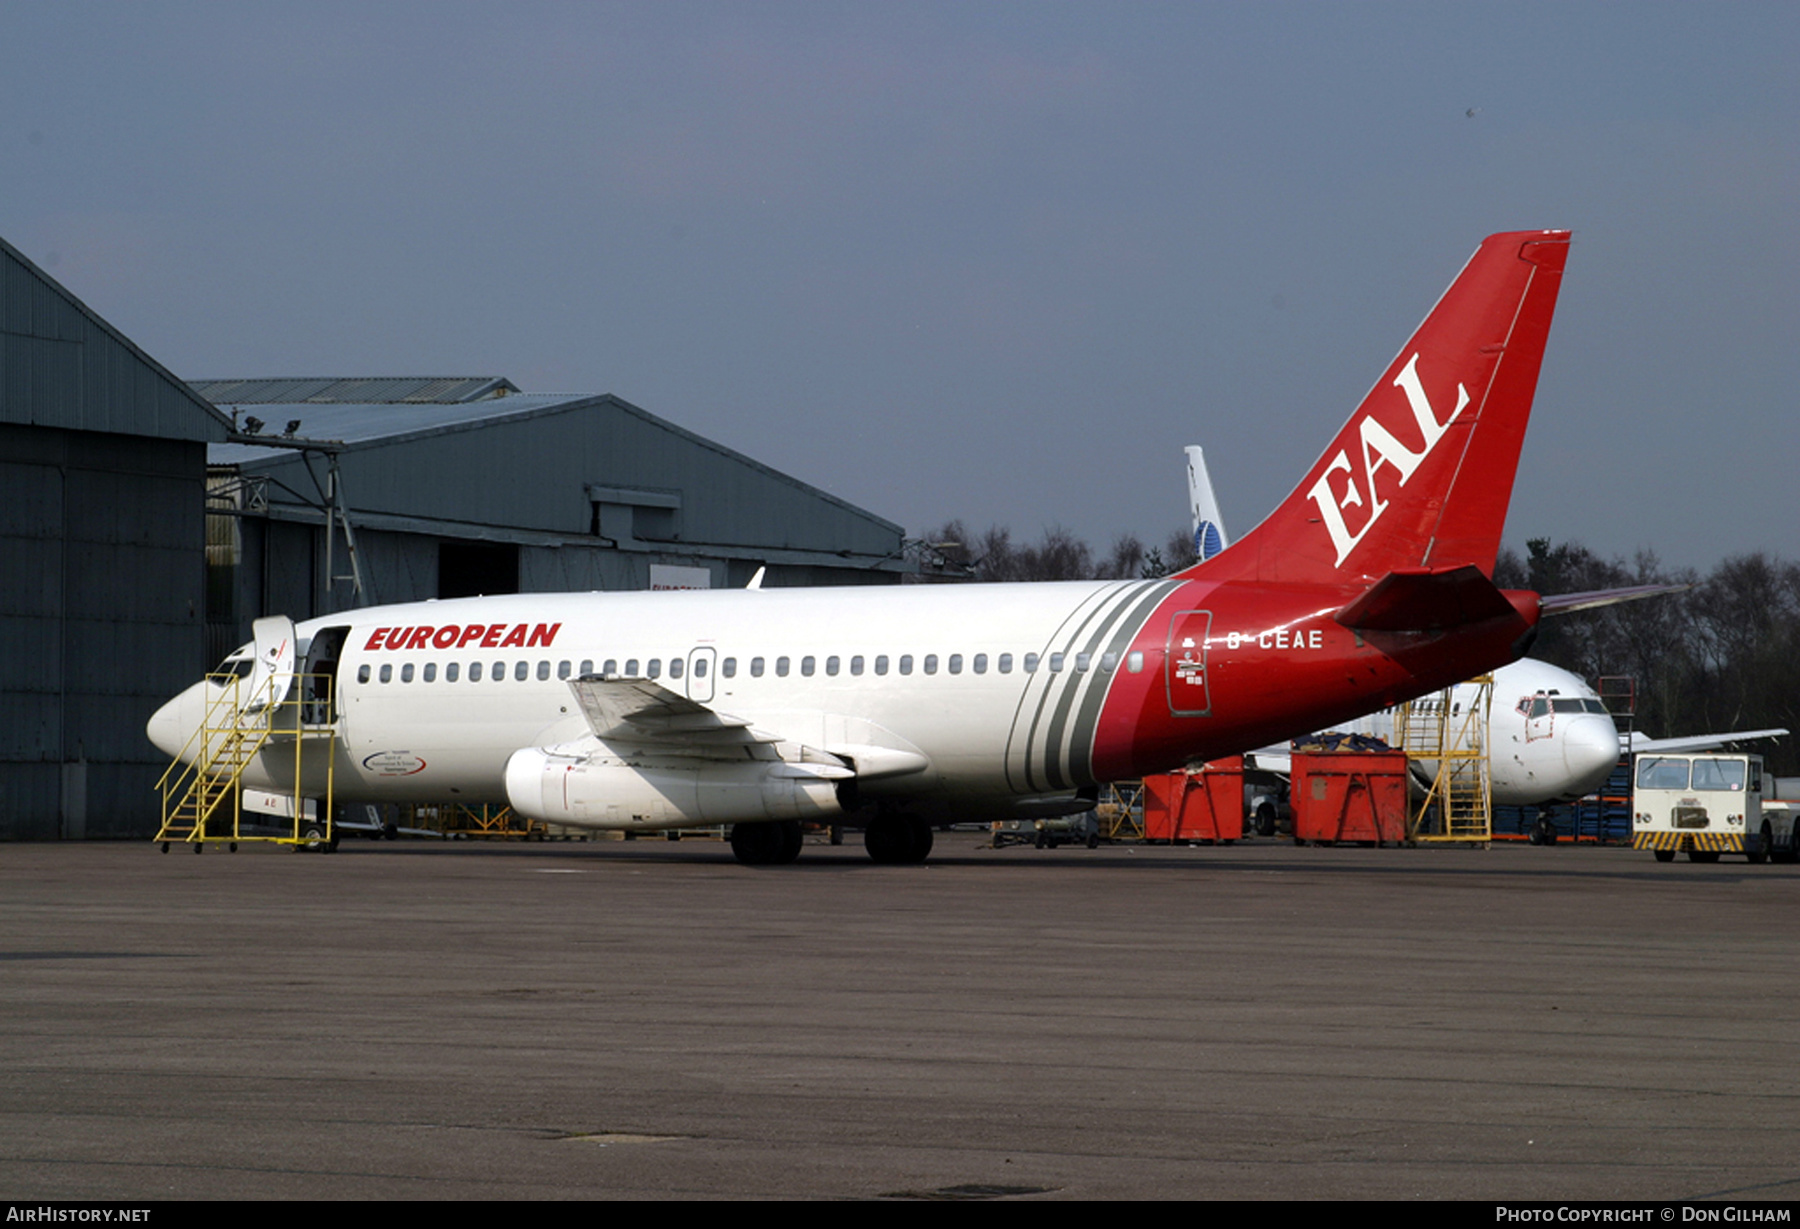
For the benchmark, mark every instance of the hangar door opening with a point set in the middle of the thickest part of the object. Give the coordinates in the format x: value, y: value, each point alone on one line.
x: 477, y: 569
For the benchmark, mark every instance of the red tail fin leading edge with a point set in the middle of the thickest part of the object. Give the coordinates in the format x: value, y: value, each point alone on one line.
x: 1422, y: 473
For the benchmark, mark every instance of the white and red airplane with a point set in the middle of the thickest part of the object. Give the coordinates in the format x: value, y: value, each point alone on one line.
x: 898, y: 708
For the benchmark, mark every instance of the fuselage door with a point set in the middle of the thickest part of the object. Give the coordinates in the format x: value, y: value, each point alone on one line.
x: 273, y: 674
x: 702, y: 664
x: 1190, y: 694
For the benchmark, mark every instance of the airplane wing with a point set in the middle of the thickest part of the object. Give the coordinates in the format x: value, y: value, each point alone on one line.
x: 1637, y: 743
x: 643, y: 712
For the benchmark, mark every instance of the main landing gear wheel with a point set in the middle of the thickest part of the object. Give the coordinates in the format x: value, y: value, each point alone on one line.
x: 898, y: 840
x: 773, y: 844
x: 1664, y: 855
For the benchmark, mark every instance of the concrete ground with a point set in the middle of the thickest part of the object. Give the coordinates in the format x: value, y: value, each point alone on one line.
x: 649, y: 1019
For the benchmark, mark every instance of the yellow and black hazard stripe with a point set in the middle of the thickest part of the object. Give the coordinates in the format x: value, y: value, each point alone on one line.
x: 1688, y: 842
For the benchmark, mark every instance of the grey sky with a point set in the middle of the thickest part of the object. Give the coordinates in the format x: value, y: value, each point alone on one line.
x: 991, y: 261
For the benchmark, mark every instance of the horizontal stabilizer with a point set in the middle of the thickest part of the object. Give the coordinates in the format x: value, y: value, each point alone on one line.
x: 1427, y: 599
x: 1569, y: 603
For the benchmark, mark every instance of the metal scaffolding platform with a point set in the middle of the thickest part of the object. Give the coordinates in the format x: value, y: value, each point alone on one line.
x: 1448, y: 739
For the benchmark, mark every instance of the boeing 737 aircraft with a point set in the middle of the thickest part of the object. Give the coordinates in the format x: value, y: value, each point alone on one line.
x: 895, y: 709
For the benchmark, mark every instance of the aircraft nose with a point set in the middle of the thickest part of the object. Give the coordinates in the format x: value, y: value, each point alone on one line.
x: 1590, y: 751
x: 171, y: 726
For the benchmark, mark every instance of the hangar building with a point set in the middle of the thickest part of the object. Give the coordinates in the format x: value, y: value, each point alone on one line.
x: 460, y: 486
x: 143, y: 528
x: 102, y: 605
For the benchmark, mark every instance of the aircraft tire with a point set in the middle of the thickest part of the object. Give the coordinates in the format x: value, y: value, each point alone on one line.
x: 758, y: 844
x: 1703, y: 855
x: 792, y: 841
x: 1764, y: 843
x: 1265, y: 820
x: 1664, y: 855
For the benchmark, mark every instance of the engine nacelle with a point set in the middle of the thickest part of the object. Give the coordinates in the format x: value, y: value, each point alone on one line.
x: 669, y: 794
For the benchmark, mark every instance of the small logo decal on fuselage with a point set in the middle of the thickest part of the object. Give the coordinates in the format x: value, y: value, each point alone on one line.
x: 394, y: 764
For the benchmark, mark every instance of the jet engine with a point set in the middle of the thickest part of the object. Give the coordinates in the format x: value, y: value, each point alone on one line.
x: 670, y: 793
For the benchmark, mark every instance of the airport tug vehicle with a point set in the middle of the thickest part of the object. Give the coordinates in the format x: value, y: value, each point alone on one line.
x: 1708, y: 805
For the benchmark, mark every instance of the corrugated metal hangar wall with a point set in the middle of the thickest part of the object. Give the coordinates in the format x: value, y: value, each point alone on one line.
x: 102, y: 473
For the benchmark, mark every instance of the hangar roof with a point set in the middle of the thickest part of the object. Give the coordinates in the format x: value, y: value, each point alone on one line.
x: 62, y: 366
x: 375, y: 390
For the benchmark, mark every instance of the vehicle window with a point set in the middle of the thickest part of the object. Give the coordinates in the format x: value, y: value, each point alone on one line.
x: 498, y: 673
x: 1056, y: 662
x: 474, y: 672
x: 1719, y: 774
x: 906, y: 663
x: 521, y: 671
x: 931, y: 663
x: 831, y: 665
x: 1031, y: 663
x: 1595, y: 706
x: 1566, y: 706
x: 700, y: 667
x: 1005, y: 663
x: 387, y: 674
x: 587, y: 668
x: 756, y: 667
x: 654, y: 669
x: 1540, y: 706
x: 1662, y: 772
x: 1109, y: 662
x: 728, y: 667
x: 563, y: 668
x: 979, y: 665
x: 781, y: 667
x: 675, y: 665
x: 956, y: 663
x: 406, y: 672
x: 1134, y: 662
x: 362, y: 674
x: 1083, y: 660
x: 543, y: 671
x: 881, y: 664
x: 450, y: 672
x: 856, y: 665
x: 631, y: 668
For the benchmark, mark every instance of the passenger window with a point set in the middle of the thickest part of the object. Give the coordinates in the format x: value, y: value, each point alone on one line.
x: 562, y: 669
x: 1005, y: 663
x: 906, y: 663
x: 450, y: 672
x: 611, y: 666
x: 1109, y: 662
x: 980, y: 663
x: 728, y: 667
x: 587, y: 668
x: 498, y: 673
x: 700, y: 667
x: 1134, y: 662
x: 881, y: 664
x: 406, y: 673
x: 1083, y: 660
x: 631, y: 668
x: 474, y: 672
x: 362, y: 674
x: 856, y: 665
x: 807, y: 665
x: 654, y: 670
x: 387, y: 674
x: 831, y: 665
x: 756, y: 667
x: 1031, y: 661
x: 675, y: 666
x: 956, y: 663
x: 931, y: 663
x: 543, y: 671
x: 1056, y: 660
x: 522, y: 671
x: 781, y: 667
x: 431, y: 672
